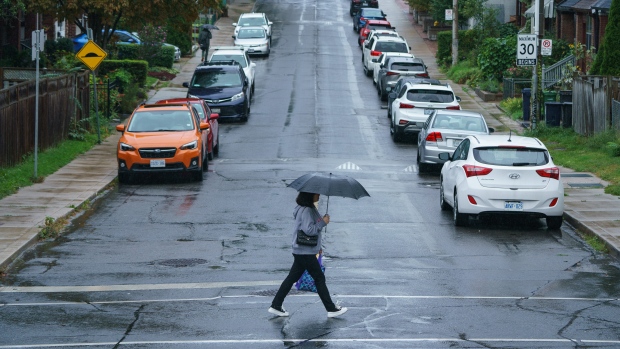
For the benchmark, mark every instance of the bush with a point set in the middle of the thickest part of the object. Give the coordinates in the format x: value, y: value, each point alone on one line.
x: 496, y: 56
x: 467, y: 46
x: 465, y: 72
x: 613, y: 148
x: 163, y: 58
x: 137, y: 69
x: 489, y: 85
x: 513, y: 107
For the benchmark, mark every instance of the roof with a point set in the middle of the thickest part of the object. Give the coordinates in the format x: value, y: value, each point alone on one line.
x: 230, y: 65
x: 377, y: 22
x: 567, y: 5
x: 390, y: 38
x: 459, y: 112
x: 602, y: 5
x: 430, y: 86
x: 229, y: 48
x: 584, y: 5
x: 252, y: 14
x: 502, y: 140
x: 549, y: 10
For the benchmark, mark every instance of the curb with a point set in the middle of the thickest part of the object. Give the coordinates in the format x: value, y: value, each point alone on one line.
x: 583, y: 228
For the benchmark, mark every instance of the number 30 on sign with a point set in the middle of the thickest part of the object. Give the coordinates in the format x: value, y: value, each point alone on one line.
x: 527, y: 50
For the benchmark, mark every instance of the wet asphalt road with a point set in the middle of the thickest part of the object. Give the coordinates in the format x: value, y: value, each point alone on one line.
x: 170, y: 263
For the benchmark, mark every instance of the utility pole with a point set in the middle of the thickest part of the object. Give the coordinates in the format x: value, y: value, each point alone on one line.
x: 455, y: 32
x: 536, y: 76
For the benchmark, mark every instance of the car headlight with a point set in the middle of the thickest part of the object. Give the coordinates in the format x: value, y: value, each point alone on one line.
x: 237, y: 96
x: 190, y: 145
x: 126, y: 147
x: 192, y: 96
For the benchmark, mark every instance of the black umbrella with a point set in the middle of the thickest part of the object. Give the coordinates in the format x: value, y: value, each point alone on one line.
x: 330, y: 185
x: 210, y: 27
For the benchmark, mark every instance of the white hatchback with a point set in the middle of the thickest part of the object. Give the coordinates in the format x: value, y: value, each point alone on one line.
x: 501, y: 174
x: 240, y: 55
x: 253, y: 19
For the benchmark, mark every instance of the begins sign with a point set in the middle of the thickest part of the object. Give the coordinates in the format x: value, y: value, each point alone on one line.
x: 527, y: 50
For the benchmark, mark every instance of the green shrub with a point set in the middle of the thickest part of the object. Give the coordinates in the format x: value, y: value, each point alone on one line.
x: 467, y: 46
x: 496, y: 56
x: 137, y: 69
x: 163, y: 58
x: 613, y: 148
x: 513, y: 107
x: 489, y: 85
x: 465, y: 72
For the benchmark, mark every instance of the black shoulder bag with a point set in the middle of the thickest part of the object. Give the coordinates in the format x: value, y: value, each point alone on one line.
x: 306, y: 240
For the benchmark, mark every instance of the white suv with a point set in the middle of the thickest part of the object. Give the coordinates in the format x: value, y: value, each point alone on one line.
x: 238, y: 54
x: 253, y: 19
x: 415, y: 103
x: 376, y: 46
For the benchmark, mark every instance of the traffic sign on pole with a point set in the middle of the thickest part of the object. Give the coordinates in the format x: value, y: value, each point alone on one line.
x: 527, y: 50
x: 546, y: 46
x: 91, y: 54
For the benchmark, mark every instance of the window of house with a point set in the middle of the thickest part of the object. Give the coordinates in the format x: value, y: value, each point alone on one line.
x: 588, y: 32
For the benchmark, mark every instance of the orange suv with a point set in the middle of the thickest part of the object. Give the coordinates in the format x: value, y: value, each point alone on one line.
x: 162, y: 138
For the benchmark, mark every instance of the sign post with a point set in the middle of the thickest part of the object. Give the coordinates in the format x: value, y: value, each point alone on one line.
x: 92, y: 55
x: 38, y: 40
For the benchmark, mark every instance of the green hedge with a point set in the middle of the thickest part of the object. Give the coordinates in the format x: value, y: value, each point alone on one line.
x: 164, y: 58
x: 467, y: 45
x: 138, y: 69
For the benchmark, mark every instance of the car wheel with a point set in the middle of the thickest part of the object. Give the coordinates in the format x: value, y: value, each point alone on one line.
x: 554, y: 222
x: 355, y: 30
x: 422, y: 167
x: 389, y: 109
x: 124, y: 178
x: 210, y: 154
x: 198, y: 174
x: 394, y: 133
x: 460, y: 219
x: 245, y: 117
x: 253, y: 90
x: 368, y: 72
x: 216, y: 149
x: 382, y: 95
x: 442, y: 201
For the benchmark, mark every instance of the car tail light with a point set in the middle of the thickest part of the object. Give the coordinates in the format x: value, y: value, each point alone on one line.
x: 552, y: 172
x: 472, y: 170
x: 403, y: 122
x: 472, y: 200
x: 454, y: 107
x: 391, y: 73
x: 365, y: 32
x: 362, y: 19
x: 357, y: 1
x: 375, y: 53
x: 434, y: 137
x: 423, y: 75
x: 406, y: 106
x: 553, y: 202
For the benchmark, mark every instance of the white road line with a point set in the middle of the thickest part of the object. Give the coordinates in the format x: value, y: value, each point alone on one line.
x: 326, y: 340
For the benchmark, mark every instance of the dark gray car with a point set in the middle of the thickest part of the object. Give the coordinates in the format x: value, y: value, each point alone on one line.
x: 394, y: 68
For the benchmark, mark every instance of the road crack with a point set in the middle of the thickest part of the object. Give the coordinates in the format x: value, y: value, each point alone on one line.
x: 136, y: 315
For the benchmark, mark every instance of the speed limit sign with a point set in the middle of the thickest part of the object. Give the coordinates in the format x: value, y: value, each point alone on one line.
x: 526, y: 50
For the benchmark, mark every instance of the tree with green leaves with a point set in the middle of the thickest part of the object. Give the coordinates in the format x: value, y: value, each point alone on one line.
x: 104, y: 16
x: 606, y: 61
x: 10, y: 8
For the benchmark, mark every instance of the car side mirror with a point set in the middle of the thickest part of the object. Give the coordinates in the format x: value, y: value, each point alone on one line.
x: 233, y: 36
x: 270, y: 22
x: 444, y: 156
x: 392, y: 95
x: 120, y: 128
x: 458, y: 99
x: 491, y: 130
x: 252, y: 64
x: 234, y: 24
x: 215, y: 116
x: 186, y: 84
x: 204, y: 126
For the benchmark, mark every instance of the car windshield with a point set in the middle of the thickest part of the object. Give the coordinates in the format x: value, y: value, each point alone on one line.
x: 160, y: 121
x: 430, y: 96
x: 459, y: 122
x: 511, y: 156
x: 390, y: 46
x: 407, y: 66
x: 372, y: 13
x: 225, y: 58
x: 250, y: 21
x: 251, y: 34
x: 216, y: 78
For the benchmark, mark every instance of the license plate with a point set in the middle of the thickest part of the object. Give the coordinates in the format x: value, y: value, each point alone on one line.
x: 513, y: 205
x: 215, y: 110
x: 428, y: 111
x: 456, y: 142
x: 158, y: 163
x: 365, y: 4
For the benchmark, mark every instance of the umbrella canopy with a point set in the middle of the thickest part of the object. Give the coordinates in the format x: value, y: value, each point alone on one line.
x: 330, y: 185
x: 210, y: 27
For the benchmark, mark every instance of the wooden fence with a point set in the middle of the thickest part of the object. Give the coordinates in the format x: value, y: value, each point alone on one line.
x: 592, y: 101
x: 57, y: 109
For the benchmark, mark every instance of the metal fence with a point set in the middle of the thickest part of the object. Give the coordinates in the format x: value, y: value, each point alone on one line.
x: 512, y: 87
x: 554, y: 73
x: 60, y: 99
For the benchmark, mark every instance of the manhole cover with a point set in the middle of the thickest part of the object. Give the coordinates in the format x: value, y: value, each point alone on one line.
x: 576, y: 175
x: 183, y: 262
x: 585, y: 185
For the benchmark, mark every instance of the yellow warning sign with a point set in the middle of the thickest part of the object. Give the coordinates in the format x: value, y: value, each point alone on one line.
x: 91, y: 54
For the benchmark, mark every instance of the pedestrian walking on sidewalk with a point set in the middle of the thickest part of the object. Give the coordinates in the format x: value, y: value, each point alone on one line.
x: 309, y: 220
x: 204, y: 40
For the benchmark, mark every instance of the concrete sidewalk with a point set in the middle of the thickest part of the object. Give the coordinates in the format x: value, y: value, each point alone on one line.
x: 23, y: 214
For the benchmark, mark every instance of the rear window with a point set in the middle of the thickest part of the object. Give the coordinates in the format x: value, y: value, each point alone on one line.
x: 506, y: 156
x: 372, y: 13
x: 405, y: 66
x: 251, y: 33
x: 430, y: 96
x: 222, y: 58
x: 391, y: 47
x: 459, y: 122
x: 216, y: 78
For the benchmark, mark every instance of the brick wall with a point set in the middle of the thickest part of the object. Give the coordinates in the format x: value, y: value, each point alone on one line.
x: 566, y: 23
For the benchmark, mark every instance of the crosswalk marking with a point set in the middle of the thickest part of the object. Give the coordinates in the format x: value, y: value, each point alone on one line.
x: 349, y: 166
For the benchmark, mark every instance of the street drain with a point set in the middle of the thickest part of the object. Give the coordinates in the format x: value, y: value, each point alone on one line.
x: 272, y: 293
x: 183, y: 262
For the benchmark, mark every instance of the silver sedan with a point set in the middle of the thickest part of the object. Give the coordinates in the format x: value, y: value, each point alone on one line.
x: 443, y: 131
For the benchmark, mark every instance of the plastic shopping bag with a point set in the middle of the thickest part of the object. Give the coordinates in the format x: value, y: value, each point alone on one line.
x: 306, y: 282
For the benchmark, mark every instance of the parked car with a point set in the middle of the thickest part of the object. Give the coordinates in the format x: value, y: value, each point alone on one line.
x: 239, y: 55
x: 378, y: 45
x: 357, y: 4
x: 379, y: 32
x: 443, y: 131
x: 501, y: 174
x: 254, y: 40
x: 373, y: 24
x: 401, y: 84
x: 382, y: 59
x: 251, y: 20
x: 364, y: 14
x: 415, y: 103
x: 211, y: 136
x: 395, y: 67
x: 162, y: 138
x: 225, y: 88
x: 123, y: 37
